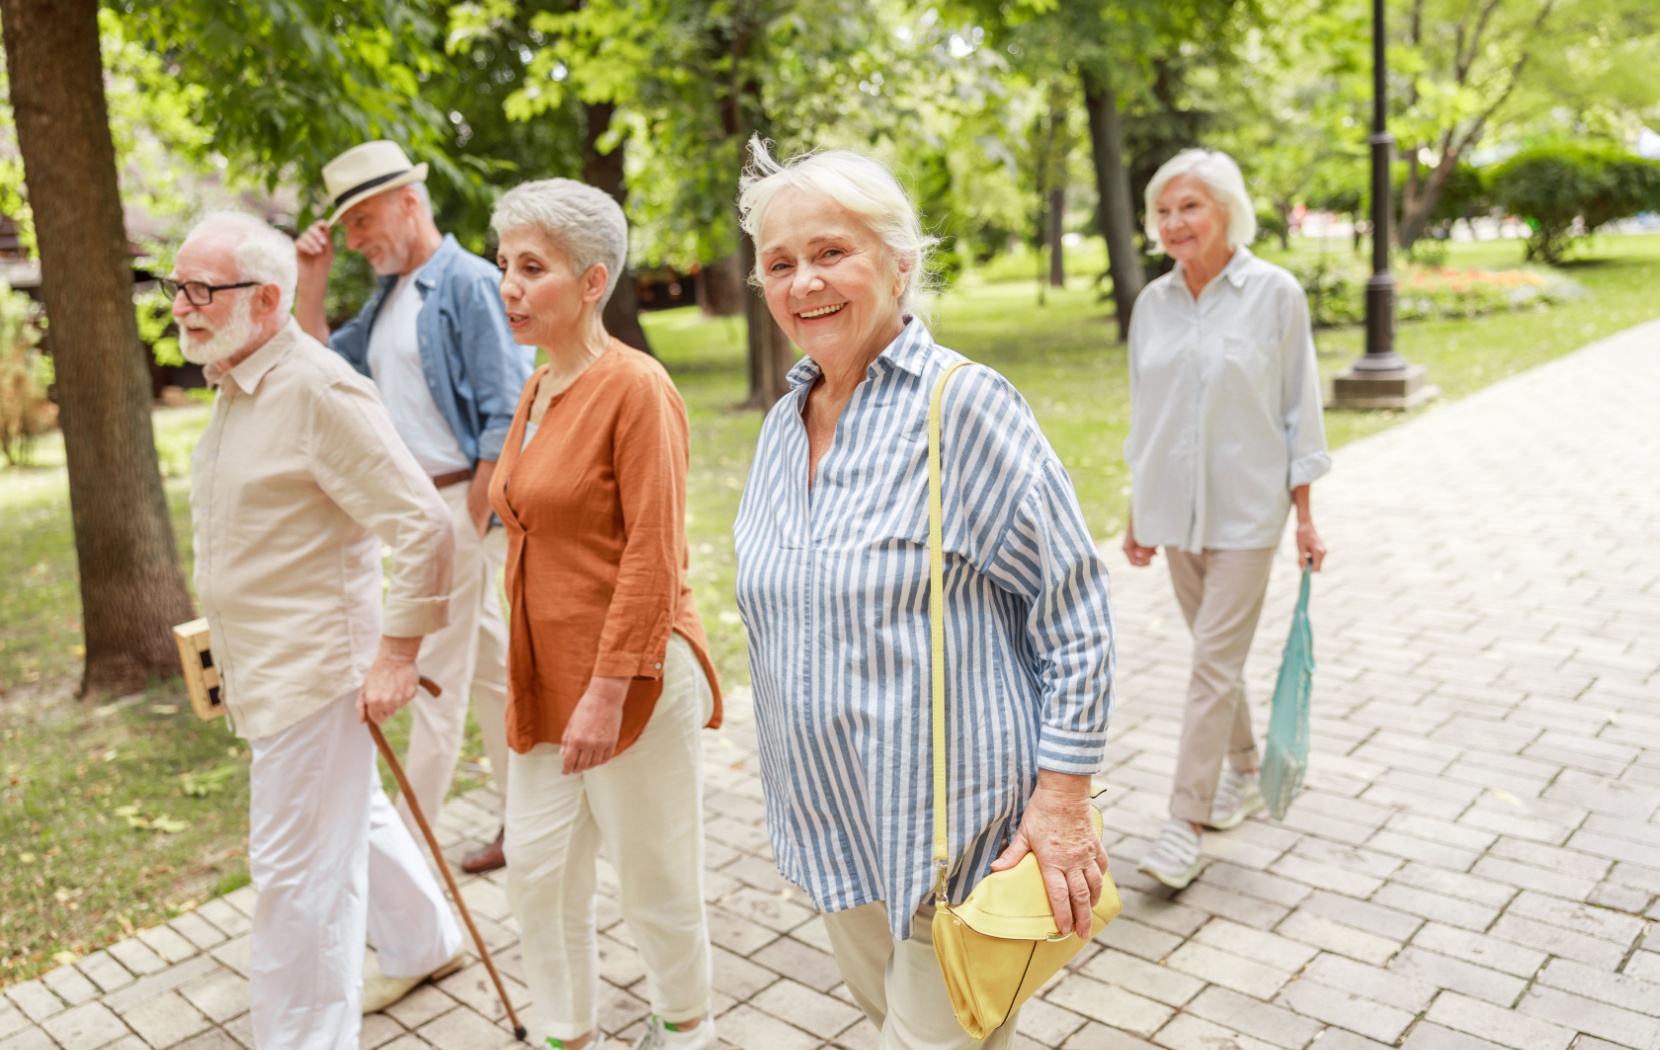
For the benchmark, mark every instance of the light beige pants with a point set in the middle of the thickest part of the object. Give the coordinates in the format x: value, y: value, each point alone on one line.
x: 646, y: 808
x: 467, y: 657
x: 898, y: 983
x: 1221, y: 594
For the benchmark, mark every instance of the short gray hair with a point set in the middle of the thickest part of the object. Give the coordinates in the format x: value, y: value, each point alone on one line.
x: 1222, y: 177
x: 586, y: 223
x: 863, y: 185
x: 261, y: 252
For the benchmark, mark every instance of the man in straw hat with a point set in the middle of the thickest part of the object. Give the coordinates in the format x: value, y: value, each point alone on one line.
x: 435, y: 340
x: 296, y: 483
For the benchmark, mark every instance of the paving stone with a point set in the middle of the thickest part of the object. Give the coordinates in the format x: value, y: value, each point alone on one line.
x: 1423, y: 903
x: 1139, y: 939
x: 1501, y: 955
x: 230, y: 922
x: 1505, y: 1027
x: 420, y: 1006
x: 1389, y: 987
x: 805, y: 1008
x: 1270, y: 949
x: 1236, y: 906
x: 220, y: 995
x: 378, y: 1030
x: 166, y: 1020
x: 1271, y: 1024
x: 1345, y: 1009
x: 1441, y: 971
x: 1608, y: 925
x: 1187, y: 1032
x: 89, y: 1026
x: 1109, y: 1005
x: 137, y: 956
x: 1227, y: 970
x: 146, y: 988
x: 217, y: 1040
x: 462, y: 1029
x: 1162, y: 983
x: 1046, y: 1024
x: 749, y: 1029
x: 35, y: 1000
x: 31, y: 1038
x: 1528, y: 877
x: 1600, y: 1019
x: 12, y: 1020
x: 1554, y: 940
x: 1427, y: 1036
x: 104, y: 971
x: 70, y: 985
x: 168, y: 943
x: 197, y: 930
x: 1321, y: 932
x: 1644, y: 966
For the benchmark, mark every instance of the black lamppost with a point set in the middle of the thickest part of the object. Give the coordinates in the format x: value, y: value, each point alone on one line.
x: 1381, y: 378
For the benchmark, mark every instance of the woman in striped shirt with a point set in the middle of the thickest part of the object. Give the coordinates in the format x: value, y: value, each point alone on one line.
x: 832, y: 585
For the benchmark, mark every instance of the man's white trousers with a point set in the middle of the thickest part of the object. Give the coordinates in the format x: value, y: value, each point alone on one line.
x: 331, y: 862
x: 468, y: 657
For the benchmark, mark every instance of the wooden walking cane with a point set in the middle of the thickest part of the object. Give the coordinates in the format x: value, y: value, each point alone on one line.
x: 443, y: 866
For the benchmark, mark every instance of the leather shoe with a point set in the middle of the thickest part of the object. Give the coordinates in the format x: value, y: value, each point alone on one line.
x: 487, y: 859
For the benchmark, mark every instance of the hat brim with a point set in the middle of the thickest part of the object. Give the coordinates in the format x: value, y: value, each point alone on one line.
x: 416, y: 174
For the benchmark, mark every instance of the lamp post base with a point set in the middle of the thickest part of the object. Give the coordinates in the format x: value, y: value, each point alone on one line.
x: 1403, y: 388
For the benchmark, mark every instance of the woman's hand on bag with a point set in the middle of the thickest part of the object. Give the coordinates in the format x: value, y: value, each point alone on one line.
x: 591, y: 735
x: 1058, y: 828
x: 1138, y: 555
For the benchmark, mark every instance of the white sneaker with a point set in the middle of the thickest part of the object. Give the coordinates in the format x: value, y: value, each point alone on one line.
x: 1238, y: 795
x: 596, y: 1043
x: 660, y: 1035
x: 1174, y: 858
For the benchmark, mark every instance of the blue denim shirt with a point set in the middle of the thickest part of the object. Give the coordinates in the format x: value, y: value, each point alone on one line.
x: 474, y: 369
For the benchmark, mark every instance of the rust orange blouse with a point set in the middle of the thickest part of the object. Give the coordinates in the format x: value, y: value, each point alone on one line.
x: 595, y: 510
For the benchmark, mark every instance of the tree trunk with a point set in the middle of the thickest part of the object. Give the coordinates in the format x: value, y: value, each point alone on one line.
x: 605, y: 171
x: 722, y: 288
x: 1112, y: 183
x: 132, y: 590
x: 1057, y: 225
x: 1420, y: 197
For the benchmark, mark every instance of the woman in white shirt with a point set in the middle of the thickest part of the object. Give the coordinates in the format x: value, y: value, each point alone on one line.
x: 1225, y: 438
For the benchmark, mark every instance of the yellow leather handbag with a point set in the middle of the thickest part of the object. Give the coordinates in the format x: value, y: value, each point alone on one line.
x: 998, y: 947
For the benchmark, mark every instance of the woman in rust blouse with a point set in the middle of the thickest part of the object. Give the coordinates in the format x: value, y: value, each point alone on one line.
x: 609, y: 678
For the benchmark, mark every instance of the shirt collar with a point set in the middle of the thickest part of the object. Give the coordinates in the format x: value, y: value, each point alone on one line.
x: 1235, y: 273
x: 251, y: 369
x: 908, y: 352
x: 433, y: 270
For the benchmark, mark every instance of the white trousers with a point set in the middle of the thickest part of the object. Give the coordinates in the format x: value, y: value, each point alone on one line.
x: 331, y: 862
x: 898, y: 984
x: 646, y: 808
x: 467, y: 657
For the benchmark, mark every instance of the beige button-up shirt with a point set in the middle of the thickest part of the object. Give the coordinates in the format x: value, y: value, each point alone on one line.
x: 297, y: 481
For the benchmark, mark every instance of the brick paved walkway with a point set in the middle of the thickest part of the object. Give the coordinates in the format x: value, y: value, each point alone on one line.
x: 1475, y: 862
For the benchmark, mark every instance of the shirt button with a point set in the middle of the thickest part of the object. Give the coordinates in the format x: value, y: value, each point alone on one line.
x: 658, y: 666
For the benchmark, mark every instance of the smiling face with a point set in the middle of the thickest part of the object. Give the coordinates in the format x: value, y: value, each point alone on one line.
x: 385, y: 229
x: 1192, y: 224
x: 829, y: 281
x: 546, y: 303
x: 235, y: 316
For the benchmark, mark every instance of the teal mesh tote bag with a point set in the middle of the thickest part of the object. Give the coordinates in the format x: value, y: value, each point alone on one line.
x: 1286, y: 758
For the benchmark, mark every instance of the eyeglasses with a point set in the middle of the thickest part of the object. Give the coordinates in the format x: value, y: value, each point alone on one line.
x: 198, y: 293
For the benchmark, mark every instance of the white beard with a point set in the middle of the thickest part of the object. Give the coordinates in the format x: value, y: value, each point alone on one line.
x: 227, y: 340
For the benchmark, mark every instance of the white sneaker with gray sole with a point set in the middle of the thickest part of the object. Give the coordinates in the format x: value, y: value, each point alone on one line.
x: 1174, y: 858
x: 1238, y: 795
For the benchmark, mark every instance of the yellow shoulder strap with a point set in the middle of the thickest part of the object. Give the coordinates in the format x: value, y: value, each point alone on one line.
x: 936, y: 634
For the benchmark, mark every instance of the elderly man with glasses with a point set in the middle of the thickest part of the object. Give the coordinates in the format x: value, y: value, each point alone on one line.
x: 435, y: 340
x: 298, y: 481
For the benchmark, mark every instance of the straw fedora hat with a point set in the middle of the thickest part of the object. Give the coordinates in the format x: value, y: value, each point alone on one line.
x: 366, y: 170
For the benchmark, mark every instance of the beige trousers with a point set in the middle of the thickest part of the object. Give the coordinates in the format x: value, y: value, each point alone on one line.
x: 898, y: 984
x: 645, y: 806
x: 1221, y: 594
x: 467, y: 657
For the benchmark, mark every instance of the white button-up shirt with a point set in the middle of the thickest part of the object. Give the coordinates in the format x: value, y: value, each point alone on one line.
x: 1224, y: 408
x: 296, y: 482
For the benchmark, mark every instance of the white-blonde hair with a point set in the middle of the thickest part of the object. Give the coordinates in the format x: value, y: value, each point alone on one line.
x: 586, y: 223
x: 260, y: 252
x: 863, y: 185
x: 1222, y: 177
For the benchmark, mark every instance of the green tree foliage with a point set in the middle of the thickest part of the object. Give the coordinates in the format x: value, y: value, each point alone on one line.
x: 1568, y: 190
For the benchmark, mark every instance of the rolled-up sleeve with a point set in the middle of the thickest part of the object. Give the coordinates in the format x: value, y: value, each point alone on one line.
x: 1305, y: 425
x: 496, y: 364
x: 362, y: 465
x: 651, y: 454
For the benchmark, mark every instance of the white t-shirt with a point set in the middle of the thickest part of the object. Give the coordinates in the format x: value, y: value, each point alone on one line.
x: 395, y: 363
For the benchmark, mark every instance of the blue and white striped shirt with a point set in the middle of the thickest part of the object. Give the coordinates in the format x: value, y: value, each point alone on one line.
x: 833, y: 588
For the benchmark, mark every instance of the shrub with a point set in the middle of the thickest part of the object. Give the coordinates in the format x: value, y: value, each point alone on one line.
x: 25, y: 375
x: 1568, y: 190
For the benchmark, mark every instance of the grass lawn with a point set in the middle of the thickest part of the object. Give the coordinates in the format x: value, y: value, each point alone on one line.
x: 83, y: 856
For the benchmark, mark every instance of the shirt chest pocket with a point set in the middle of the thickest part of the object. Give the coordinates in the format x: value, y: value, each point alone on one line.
x: 1247, y: 364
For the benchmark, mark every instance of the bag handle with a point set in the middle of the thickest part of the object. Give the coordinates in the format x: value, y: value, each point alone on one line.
x: 936, y: 634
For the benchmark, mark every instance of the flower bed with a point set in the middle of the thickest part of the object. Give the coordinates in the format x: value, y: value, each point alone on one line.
x: 1336, y: 290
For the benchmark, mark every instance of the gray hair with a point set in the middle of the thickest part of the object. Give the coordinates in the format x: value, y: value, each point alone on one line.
x: 1222, y: 177
x: 260, y: 252
x: 585, y: 222
x: 863, y: 185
